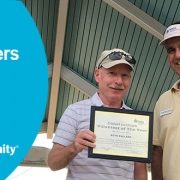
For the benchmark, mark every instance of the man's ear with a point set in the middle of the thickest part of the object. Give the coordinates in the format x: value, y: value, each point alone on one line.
x: 96, y: 75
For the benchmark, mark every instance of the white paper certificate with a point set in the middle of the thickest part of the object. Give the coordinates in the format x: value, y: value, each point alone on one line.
x: 121, y: 134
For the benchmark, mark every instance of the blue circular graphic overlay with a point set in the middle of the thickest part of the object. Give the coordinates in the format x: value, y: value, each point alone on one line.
x: 23, y: 84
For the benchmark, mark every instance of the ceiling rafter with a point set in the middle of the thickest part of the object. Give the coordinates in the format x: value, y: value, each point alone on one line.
x: 138, y: 16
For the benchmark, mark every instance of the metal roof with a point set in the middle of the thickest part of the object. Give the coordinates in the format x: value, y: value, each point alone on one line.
x: 75, y: 32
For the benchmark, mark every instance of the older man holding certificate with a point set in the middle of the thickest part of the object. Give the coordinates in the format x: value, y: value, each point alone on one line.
x: 73, y: 137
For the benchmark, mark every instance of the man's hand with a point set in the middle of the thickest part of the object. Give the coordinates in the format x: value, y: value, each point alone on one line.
x: 60, y: 156
x: 84, y: 139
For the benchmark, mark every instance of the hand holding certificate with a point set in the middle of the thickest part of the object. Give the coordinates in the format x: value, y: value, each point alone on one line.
x: 121, y: 134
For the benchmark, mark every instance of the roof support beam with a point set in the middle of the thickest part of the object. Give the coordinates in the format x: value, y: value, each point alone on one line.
x: 138, y: 16
x: 75, y: 80
x: 61, y: 26
x: 78, y: 82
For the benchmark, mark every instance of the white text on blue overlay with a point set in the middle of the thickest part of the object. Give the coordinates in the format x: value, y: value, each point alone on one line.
x: 9, y: 54
x: 7, y: 149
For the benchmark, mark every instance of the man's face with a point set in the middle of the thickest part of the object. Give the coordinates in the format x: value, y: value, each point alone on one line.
x: 173, y: 50
x: 113, y: 83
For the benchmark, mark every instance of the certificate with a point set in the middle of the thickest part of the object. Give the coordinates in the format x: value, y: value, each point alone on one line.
x: 121, y: 134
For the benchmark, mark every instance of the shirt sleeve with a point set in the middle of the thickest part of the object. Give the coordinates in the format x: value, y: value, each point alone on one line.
x: 156, y: 125
x: 66, y: 129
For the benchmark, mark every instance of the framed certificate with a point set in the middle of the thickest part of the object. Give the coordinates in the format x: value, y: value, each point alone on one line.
x: 121, y: 134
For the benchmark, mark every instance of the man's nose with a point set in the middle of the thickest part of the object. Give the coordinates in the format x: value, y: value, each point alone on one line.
x: 119, y: 80
x: 178, y: 53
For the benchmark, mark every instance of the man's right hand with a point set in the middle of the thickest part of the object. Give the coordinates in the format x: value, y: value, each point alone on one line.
x: 60, y: 156
x: 84, y: 139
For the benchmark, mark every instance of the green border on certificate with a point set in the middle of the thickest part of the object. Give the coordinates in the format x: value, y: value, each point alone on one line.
x: 121, y: 134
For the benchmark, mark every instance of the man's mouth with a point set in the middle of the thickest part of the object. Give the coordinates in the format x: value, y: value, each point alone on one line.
x: 117, y: 88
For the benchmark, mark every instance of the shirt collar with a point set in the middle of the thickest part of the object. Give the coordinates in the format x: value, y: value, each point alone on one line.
x: 175, y: 86
x: 96, y: 101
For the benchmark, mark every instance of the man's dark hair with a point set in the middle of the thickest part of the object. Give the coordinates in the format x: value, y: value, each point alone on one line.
x: 177, y: 22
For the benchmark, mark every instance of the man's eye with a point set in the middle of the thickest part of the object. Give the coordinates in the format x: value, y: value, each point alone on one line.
x: 170, y: 50
x: 125, y: 75
x: 111, y: 72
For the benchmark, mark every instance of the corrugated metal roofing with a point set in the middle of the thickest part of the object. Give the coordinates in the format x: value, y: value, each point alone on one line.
x: 44, y: 13
x: 92, y: 26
